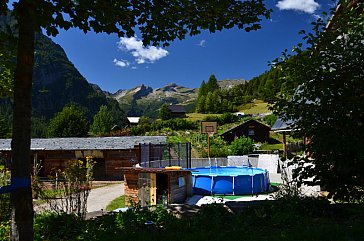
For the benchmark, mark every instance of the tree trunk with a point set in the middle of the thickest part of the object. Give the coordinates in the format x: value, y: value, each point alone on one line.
x: 21, y: 197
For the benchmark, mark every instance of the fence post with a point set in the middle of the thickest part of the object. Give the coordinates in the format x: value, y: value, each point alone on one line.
x: 179, y: 154
x: 149, y: 151
x: 169, y: 154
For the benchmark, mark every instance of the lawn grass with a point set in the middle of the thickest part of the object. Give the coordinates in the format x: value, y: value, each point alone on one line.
x: 198, y: 116
x: 267, y: 146
x: 116, y: 203
x: 257, y: 107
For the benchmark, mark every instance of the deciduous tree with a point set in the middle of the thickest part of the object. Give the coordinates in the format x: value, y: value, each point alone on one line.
x: 70, y: 122
x: 102, y: 122
x: 328, y: 104
x: 157, y: 21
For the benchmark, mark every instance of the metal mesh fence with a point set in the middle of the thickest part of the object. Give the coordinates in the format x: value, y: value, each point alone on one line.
x: 162, y: 155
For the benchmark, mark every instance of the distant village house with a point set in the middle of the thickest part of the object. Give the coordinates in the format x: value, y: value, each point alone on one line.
x: 177, y: 111
x: 253, y: 129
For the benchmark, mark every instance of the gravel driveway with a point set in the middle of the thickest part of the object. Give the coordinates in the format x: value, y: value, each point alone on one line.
x: 100, y: 197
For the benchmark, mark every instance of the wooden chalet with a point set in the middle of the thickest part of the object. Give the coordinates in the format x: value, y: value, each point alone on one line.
x: 152, y: 186
x: 110, y: 153
x: 256, y: 130
x: 177, y: 111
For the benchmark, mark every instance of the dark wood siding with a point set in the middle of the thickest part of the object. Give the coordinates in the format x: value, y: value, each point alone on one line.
x: 252, y: 128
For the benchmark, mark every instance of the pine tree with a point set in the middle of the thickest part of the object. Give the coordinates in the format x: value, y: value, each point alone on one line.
x: 209, y: 105
x: 200, y: 103
x: 212, y: 84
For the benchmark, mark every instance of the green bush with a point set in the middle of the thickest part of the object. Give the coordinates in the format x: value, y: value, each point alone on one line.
x: 4, y: 230
x: 270, y: 119
x: 242, y: 146
x: 135, y: 218
x: 52, y: 226
x: 283, y: 219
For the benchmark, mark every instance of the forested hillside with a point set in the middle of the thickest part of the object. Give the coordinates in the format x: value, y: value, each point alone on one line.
x: 213, y: 99
x: 57, y: 83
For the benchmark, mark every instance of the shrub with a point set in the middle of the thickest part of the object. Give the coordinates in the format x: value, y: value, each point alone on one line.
x: 242, y: 146
x: 270, y: 119
x: 53, y: 226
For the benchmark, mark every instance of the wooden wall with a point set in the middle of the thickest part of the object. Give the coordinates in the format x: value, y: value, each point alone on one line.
x: 112, y: 160
x: 179, y: 186
x: 178, y: 193
x: 131, y: 188
x: 261, y: 132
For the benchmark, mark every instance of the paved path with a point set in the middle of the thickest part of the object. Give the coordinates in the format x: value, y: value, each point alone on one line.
x: 100, y: 197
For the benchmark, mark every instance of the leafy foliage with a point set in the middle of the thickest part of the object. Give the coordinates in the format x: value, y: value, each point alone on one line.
x: 157, y: 23
x: 70, y: 188
x: 103, y: 122
x: 173, y: 124
x: 328, y: 104
x: 289, y: 219
x: 7, y: 55
x: 222, y: 119
x: 70, y: 122
x: 242, y: 146
x: 4, y: 127
x: 270, y: 119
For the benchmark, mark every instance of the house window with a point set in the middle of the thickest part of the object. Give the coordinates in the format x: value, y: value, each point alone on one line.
x: 251, y: 131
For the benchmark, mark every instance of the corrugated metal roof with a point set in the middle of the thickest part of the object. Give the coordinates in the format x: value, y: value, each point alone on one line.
x: 280, y: 125
x: 92, y: 143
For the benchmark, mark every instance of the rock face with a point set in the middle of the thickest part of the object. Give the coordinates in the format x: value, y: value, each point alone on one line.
x: 57, y: 83
x: 146, y: 101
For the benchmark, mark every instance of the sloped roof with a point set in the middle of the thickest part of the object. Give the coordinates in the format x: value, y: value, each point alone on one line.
x: 92, y: 143
x: 243, y: 124
x: 177, y: 108
x: 281, y: 126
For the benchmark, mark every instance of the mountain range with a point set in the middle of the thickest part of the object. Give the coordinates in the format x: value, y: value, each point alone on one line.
x: 58, y: 83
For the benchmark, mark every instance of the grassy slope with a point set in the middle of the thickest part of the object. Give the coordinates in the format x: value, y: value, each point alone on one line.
x: 257, y: 107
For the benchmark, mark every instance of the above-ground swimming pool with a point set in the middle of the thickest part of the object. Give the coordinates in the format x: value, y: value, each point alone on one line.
x: 229, y: 180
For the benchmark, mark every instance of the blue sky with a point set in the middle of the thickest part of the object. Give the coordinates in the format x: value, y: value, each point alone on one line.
x: 115, y: 63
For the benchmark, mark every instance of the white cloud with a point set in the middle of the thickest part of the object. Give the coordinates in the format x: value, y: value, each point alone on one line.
x: 141, y: 54
x: 202, y: 43
x: 307, y: 6
x: 121, y: 63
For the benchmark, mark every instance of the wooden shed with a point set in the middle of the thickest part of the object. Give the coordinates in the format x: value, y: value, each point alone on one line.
x: 152, y: 186
x: 256, y: 130
x: 177, y: 111
x: 109, y: 153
